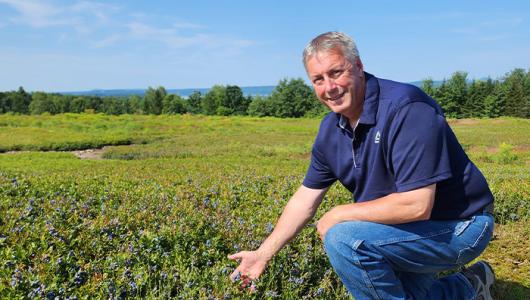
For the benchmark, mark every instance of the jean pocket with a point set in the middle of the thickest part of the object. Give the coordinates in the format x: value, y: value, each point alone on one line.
x: 462, y: 226
x: 475, y: 238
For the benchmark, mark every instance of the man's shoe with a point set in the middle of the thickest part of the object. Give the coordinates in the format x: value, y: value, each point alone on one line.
x: 481, y: 277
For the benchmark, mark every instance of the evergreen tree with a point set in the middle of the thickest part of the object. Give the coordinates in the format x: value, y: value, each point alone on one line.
x: 527, y: 93
x: 19, y: 101
x: 474, y: 105
x: 494, y: 102
x: 455, y: 95
x: 516, y: 102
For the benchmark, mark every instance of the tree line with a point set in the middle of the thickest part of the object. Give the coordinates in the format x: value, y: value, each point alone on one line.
x: 459, y: 98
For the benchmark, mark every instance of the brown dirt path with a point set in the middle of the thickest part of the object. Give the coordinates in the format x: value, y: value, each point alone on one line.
x: 90, y: 153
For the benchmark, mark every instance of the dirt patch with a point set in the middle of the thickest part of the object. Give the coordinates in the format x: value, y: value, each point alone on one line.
x: 90, y: 153
x: 463, y: 121
x: 494, y: 149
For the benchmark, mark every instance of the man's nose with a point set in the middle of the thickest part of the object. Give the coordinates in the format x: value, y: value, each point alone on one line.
x: 330, y: 84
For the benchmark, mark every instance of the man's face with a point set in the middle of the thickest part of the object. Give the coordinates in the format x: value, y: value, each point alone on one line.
x: 338, y: 83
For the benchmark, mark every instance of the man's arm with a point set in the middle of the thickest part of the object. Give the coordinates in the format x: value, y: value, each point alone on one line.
x: 396, y: 208
x: 299, y: 210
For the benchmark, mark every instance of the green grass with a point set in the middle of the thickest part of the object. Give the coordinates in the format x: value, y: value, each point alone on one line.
x: 157, y: 218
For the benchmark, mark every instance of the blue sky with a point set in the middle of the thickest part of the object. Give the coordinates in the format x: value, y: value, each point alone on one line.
x: 52, y: 45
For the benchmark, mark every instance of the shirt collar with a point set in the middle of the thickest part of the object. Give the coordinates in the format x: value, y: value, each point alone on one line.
x: 370, y: 105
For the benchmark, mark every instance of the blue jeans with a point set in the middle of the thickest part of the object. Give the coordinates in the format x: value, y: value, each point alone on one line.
x: 377, y: 261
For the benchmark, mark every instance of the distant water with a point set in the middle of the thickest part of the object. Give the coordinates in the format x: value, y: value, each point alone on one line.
x: 247, y: 91
x: 264, y: 90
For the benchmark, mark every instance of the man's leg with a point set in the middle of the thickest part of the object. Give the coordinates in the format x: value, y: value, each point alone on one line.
x: 377, y: 261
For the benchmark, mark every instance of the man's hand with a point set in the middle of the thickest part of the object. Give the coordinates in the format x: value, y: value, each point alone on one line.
x: 326, y: 222
x: 299, y: 210
x: 251, y: 266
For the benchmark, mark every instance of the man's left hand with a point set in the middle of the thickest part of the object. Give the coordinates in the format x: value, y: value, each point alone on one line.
x: 327, y: 221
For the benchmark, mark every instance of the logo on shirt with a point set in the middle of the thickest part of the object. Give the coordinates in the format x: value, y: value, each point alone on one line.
x: 377, y: 138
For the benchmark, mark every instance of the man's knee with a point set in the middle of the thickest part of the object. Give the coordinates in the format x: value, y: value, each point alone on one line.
x: 341, y: 239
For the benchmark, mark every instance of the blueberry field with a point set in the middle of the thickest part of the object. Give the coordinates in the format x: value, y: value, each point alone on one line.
x: 155, y: 213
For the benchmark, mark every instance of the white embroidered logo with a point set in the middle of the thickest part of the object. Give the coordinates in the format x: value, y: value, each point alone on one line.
x: 377, y: 138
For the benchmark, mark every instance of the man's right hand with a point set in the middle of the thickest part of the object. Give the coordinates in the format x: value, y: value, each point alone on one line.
x: 251, y: 266
x: 298, y: 211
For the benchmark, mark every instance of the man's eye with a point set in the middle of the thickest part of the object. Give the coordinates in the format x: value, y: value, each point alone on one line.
x: 317, y: 80
x: 336, y: 73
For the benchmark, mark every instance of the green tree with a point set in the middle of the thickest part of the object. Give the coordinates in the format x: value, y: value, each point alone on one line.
x: 527, y: 92
x: 113, y: 106
x: 61, y: 103
x: 92, y: 103
x: 260, y: 107
x: 494, y: 102
x: 19, y: 101
x: 474, y: 103
x: 212, y: 100
x: 428, y: 87
x: 135, y: 105
x: 193, y: 105
x: 4, y: 107
x: 292, y: 98
x: 41, y: 103
x: 153, y: 100
x: 173, y: 104
x: 235, y: 101
x: 77, y: 105
x: 452, y: 94
x: 516, y: 101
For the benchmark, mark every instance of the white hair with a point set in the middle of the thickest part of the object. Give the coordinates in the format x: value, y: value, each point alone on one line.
x: 332, y: 41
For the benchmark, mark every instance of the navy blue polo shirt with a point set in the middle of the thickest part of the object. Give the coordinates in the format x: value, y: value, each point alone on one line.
x: 402, y: 143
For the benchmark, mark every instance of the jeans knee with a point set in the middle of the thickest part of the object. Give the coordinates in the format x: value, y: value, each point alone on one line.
x: 340, y: 240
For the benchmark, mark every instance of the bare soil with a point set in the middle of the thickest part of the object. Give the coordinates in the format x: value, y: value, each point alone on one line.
x: 90, y: 153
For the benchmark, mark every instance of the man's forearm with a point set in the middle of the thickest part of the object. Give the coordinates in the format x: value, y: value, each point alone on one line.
x: 299, y: 210
x: 395, y: 208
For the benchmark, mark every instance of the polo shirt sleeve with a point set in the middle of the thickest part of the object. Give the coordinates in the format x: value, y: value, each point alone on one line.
x: 319, y: 175
x: 418, y: 147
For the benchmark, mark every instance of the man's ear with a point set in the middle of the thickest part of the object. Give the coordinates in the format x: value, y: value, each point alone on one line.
x: 359, y: 64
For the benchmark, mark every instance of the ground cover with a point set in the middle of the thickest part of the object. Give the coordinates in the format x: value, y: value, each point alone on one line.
x: 158, y: 217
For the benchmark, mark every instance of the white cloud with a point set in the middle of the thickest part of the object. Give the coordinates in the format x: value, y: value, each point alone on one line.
x: 495, y: 38
x: 106, y: 42
x: 432, y: 17
x: 172, y: 38
x: 187, y: 25
x: 489, y: 26
x: 35, y: 13
x: 510, y: 22
x: 95, y: 23
x: 79, y: 16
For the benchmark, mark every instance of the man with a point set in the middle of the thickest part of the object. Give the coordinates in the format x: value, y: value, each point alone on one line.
x: 421, y: 206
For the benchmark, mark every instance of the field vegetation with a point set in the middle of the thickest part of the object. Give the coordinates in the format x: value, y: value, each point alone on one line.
x: 174, y: 195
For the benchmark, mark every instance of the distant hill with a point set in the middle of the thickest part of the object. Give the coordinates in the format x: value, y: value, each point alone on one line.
x: 247, y: 91
x: 264, y: 90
